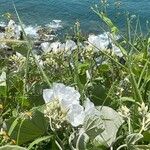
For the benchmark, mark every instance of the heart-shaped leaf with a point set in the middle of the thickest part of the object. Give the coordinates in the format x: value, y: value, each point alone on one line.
x: 112, y: 122
x: 93, y: 126
x: 28, y: 128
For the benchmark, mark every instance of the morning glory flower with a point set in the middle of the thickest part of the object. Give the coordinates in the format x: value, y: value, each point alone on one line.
x: 104, y: 42
x: 68, y: 100
x: 66, y: 96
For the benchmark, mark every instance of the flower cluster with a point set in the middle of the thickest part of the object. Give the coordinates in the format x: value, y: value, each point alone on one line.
x: 145, y: 114
x: 124, y: 112
x: 17, y: 61
x: 143, y: 110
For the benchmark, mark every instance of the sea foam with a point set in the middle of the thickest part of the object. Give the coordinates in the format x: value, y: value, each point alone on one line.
x: 55, y: 24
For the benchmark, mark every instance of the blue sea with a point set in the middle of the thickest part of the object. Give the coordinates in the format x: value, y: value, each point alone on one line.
x: 41, y: 12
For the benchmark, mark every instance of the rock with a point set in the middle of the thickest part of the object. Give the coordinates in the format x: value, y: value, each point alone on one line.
x: 46, y: 34
x: 2, y: 29
x: 45, y: 47
x: 55, y: 47
x: 31, y: 31
x: 70, y: 45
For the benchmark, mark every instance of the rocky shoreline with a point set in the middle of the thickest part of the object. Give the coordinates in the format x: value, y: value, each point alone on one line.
x: 45, y: 39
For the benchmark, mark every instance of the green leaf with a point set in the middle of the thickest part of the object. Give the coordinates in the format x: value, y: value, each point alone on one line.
x: 98, y: 93
x: 37, y: 141
x: 142, y: 147
x: 12, y: 147
x: 146, y: 135
x: 93, y: 126
x: 112, y: 122
x: 103, y: 68
x: 82, y: 68
x: 127, y: 99
x: 3, y: 91
x: 13, y: 125
x: 21, y: 48
x: 28, y: 128
x: 113, y: 28
x: 132, y: 139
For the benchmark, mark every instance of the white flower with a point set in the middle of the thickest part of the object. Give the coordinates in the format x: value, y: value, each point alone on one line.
x: 3, y: 79
x: 78, y: 114
x: 103, y: 42
x: 68, y: 99
x: 66, y: 96
x: 88, y: 105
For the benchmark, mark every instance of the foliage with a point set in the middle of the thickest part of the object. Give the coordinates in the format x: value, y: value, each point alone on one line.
x: 104, y: 102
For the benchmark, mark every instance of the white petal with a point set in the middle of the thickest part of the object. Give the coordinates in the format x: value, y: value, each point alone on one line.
x: 69, y: 97
x: 76, y: 115
x: 88, y: 105
x: 48, y: 95
x: 90, y: 109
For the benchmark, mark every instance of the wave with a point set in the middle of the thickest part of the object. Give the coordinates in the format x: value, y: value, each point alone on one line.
x: 55, y: 24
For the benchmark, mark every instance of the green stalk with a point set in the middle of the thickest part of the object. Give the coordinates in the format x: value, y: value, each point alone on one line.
x: 138, y: 95
x: 29, y: 45
x: 142, y: 73
x: 122, y: 146
x: 19, y: 130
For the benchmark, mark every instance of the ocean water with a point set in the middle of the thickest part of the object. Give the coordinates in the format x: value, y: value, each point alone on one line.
x: 41, y: 12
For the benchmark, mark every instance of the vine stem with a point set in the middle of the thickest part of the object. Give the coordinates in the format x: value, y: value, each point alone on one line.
x: 122, y: 146
x: 129, y: 125
x: 143, y: 125
x: 78, y: 141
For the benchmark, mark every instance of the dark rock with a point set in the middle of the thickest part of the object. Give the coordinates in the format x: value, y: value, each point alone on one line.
x: 122, y: 60
x: 2, y: 29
